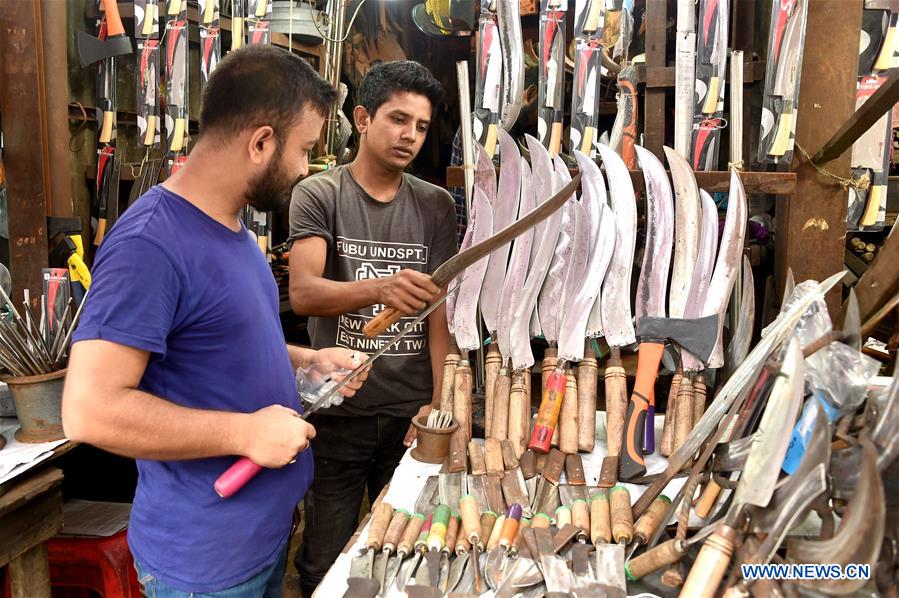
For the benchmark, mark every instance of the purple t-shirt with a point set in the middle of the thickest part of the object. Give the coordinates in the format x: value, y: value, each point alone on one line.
x: 201, y: 299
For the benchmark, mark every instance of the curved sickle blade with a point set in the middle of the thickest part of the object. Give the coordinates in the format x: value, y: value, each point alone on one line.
x: 466, y: 327
x: 702, y: 273
x: 574, y: 279
x: 728, y: 261
x: 687, y: 214
x: 504, y: 210
x: 652, y: 286
x: 617, y: 323
x: 602, y: 239
x: 739, y: 344
x: 549, y: 302
x: 517, y: 273
x: 542, y: 172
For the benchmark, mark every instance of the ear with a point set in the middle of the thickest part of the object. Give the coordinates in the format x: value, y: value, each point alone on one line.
x: 261, y: 144
x: 362, y: 119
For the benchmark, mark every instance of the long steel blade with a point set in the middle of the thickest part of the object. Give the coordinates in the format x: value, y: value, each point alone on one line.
x: 542, y: 172
x: 684, y: 73
x: 762, y: 468
x: 687, y: 217
x: 465, y: 318
x: 742, y: 337
x: 574, y: 280
x: 456, y: 264
x: 653, y: 283
x: 549, y: 302
x: 702, y: 274
x: 602, y: 239
x: 508, y: 19
x: 504, y: 210
x: 616, y: 322
x: 485, y: 174
x: 518, y: 267
x: 728, y: 261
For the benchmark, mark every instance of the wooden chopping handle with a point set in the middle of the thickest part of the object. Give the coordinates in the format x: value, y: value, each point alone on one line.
x: 462, y: 398
x: 550, y: 360
x: 699, y: 394
x: 471, y: 519
x: 510, y: 457
x: 587, y: 378
x: 476, y: 458
x: 548, y: 415
x: 452, y: 534
x: 395, y: 530
x: 446, y: 389
x: 666, y: 444
x: 380, y: 519
x: 621, y: 515
x: 683, y: 416
x: 502, y: 389
x: 150, y: 135
x: 568, y: 421
x: 654, y: 559
x: 381, y: 322
x: 711, y: 564
x: 616, y: 402
x: 580, y: 516
x: 410, y: 534
x: 493, y: 457
x: 631, y: 458
x: 600, y: 518
x: 488, y: 521
x: 114, y: 26
x: 235, y: 477
x: 555, y: 139
x: 106, y: 128
x: 650, y: 521
x: 492, y: 364
x: 707, y: 499
x: 519, y: 413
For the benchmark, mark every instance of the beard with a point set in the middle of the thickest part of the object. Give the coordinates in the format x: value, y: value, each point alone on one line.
x: 271, y: 190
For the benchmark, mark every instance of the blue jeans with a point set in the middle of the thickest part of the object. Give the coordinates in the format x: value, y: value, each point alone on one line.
x: 265, y: 584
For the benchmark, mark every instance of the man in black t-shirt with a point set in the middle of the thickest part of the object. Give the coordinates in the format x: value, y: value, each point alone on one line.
x: 366, y: 236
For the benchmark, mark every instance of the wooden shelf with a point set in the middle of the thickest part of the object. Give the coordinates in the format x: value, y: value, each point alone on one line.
x: 663, y: 76
x: 775, y: 183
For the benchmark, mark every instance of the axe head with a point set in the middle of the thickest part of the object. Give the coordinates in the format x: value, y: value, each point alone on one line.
x: 696, y: 335
x: 92, y: 49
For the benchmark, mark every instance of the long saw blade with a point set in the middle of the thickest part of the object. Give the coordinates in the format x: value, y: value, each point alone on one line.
x: 465, y: 319
x: 504, y: 210
x: 728, y: 261
x: 613, y: 318
x: 517, y: 273
x: 702, y: 273
x: 602, y: 240
x: 687, y: 231
x: 652, y: 286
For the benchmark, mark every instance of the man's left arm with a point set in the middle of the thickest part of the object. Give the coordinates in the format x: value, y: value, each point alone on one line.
x: 438, y: 347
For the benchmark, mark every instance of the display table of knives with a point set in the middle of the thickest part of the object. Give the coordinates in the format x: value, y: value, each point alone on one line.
x: 521, y: 517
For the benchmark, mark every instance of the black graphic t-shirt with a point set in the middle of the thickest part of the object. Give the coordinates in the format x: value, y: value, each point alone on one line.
x: 371, y: 239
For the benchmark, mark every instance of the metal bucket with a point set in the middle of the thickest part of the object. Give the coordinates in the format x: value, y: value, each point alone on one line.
x: 38, y: 402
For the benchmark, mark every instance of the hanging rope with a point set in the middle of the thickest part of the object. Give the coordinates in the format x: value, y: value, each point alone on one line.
x: 862, y: 183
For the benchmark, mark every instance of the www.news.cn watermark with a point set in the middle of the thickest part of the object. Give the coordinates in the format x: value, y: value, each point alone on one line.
x: 805, y: 571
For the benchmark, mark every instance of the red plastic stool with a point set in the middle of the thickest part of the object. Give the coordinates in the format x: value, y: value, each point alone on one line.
x: 104, y: 565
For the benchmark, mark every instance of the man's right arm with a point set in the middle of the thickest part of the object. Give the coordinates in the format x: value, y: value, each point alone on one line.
x: 104, y: 407
x: 312, y: 294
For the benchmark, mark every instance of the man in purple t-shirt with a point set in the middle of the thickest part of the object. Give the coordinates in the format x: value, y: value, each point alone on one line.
x: 180, y: 360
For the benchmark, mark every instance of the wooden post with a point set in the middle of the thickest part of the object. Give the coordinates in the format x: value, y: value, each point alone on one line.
x: 654, y: 104
x: 26, y: 155
x: 811, y: 225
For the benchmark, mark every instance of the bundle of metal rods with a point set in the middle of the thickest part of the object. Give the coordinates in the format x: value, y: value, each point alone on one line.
x: 27, y: 347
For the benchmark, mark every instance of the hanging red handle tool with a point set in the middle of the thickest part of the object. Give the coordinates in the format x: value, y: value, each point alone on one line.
x: 548, y: 415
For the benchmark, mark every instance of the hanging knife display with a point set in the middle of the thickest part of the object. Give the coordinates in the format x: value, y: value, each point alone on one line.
x: 210, y: 39
x: 258, y: 21
x: 551, y: 87
x: 111, y: 41
x: 146, y: 28
x: 711, y: 64
x: 508, y: 17
x: 238, y: 23
x: 488, y: 79
x: 781, y: 99
x: 176, y: 70
x: 588, y: 26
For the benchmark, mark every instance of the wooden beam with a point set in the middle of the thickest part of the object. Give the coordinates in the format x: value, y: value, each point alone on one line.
x: 811, y: 226
x: 863, y: 119
x: 654, y: 103
x: 663, y: 76
x: 775, y: 183
x: 26, y: 155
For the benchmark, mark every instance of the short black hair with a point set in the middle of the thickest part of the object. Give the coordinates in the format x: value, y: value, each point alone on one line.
x: 262, y: 85
x: 386, y: 78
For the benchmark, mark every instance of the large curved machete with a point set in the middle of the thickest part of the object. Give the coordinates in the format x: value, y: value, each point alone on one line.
x: 465, y: 318
x: 687, y: 214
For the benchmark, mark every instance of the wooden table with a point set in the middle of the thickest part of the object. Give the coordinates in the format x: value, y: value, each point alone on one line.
x: 30, y: 514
